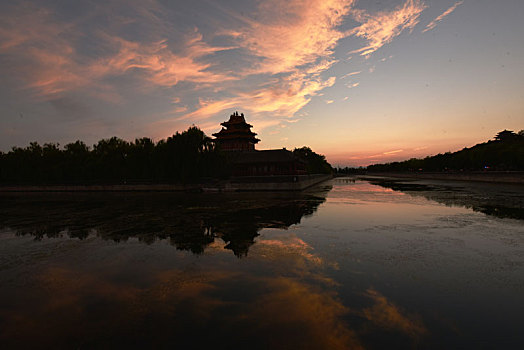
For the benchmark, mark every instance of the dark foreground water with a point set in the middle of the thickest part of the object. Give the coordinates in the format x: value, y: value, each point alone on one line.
x: 350, y: 264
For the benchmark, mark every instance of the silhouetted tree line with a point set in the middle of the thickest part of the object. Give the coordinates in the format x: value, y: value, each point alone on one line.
x: 183, y: 157
x: 505, y: 152
x: 315, y: 163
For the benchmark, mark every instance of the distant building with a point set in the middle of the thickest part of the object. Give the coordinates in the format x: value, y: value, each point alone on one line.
x: 237, y: 139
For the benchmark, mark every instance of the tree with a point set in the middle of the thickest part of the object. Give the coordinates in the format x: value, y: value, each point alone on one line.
x: 506, y: 152
x: 315, y: 163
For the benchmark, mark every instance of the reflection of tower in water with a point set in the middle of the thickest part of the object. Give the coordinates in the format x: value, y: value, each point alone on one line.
x: 240, y: 229
x: 188, y: 222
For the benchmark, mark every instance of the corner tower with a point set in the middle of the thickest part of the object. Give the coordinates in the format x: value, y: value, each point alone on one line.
x: 236, y: 135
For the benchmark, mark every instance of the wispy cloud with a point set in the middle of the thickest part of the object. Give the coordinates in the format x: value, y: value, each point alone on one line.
x: 436, y: 21
x: 52, y: 63
x: 393, y: 152
x: 387, y: 315
x: 269, y: 63
x: 38, y: 50
x: 293, y: 33
x: 349, y: 74
x: 282, y: 98
x: 20, y: 25
x: 208, y: 108
x: 380, y: 28
x: 352, y: 85
x: 292, y: 44
x: 291, y: 245
x: 299, y: 39
x: 376, y: 156
x: 160, y: 64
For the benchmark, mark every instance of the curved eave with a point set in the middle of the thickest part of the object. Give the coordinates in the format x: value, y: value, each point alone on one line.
x: 233, y: 138
x: 229, y: 123
x: 239, y: 133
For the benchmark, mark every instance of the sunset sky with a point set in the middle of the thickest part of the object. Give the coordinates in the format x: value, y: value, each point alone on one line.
x: 359, y: 81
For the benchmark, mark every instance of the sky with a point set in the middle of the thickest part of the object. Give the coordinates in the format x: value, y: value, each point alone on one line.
x: 359, y: 81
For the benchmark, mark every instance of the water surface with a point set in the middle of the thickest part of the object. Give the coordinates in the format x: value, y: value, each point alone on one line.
x: 349, y: 264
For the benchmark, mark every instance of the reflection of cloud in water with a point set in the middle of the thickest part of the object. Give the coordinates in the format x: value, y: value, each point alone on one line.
x: 289, y: 244
x: 263, y: 302
x: 386, y: 315
x: 87, y: 310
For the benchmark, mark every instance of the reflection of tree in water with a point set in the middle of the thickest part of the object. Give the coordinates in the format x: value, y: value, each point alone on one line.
x: 188, y: 221
x: 500, y: 200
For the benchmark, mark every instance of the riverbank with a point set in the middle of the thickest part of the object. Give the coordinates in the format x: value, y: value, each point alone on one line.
x: 509, y: 177
x: 247, y: 183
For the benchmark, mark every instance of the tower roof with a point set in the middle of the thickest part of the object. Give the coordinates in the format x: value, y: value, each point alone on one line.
x: 237, y: 120
x: 236, y: 128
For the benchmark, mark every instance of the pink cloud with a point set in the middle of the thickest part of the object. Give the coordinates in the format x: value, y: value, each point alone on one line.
x: 291, y: 245
x: 292, y: 38
x: 350, y: 74
x: 160, y: 65
x: 49, y: 63
x: 393, y: 152
x: 208, y: 108
x: 381, y: 28
x: 283, y: 98
x: 436, y: 21
x: 288, y: 50
x: 293, y: 33
x: 352, y: 85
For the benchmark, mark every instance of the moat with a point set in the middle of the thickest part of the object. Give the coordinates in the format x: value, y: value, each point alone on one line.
x: 349, y: 263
